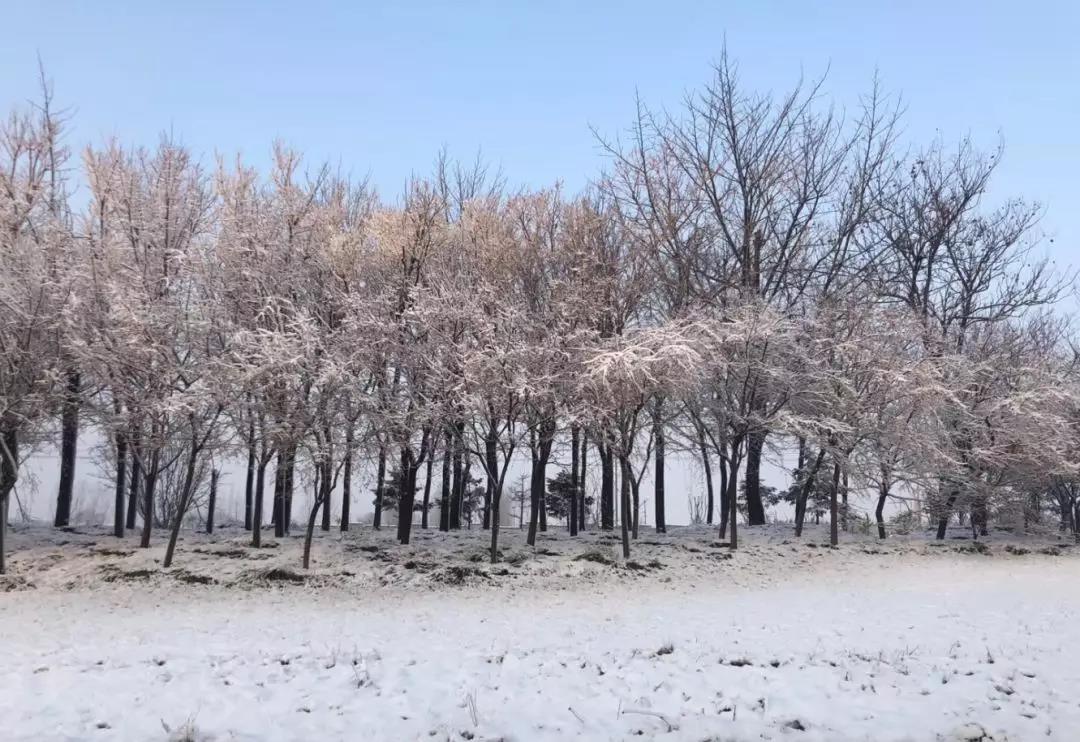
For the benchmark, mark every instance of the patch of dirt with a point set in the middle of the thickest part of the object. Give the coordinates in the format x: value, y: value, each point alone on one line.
x: 459, y: 575
x: 112, y: 573
x: 14, y: 584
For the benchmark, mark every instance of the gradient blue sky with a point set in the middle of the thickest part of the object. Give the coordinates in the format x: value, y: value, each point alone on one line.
x: 380, y: 87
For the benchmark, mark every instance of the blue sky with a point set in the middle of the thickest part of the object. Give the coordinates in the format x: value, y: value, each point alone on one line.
x: 380, y: 87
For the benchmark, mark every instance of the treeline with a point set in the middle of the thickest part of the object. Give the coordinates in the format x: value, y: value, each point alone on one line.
x: 748, y: 272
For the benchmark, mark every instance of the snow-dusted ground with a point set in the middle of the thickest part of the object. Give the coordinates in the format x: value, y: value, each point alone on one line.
x: 784, y: 641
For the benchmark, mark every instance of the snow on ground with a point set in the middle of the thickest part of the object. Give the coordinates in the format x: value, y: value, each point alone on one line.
x: 786, y: 640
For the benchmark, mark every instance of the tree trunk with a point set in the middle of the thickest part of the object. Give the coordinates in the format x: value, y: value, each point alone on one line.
x: 149, y: 485
x: 278, y: 517
x: 709, y: 497
x: 723, y: 496
x: 444, y: 506
x: 380, y: 477
x: 249, y: 480
x: 755, y: 508
x: 407, y: 494
x: 658, y: 474
x: 9, y: 474
x: 491, y: 463
x: 581, y: 483
x: 346, y: 481
x: 844, y: 522
x: 121, y: 484
x: 980, y: 516
x: 427, y: 491
x: 458, y: 480
x: 322, y: 500
x: 404, y: 515
x: 834, y: 523
x: 327, y: 503
x: 879, y: 511
x: 943, y: 521
x: 290, y: 471
x: 624, y: 498
x: 214, y: 474
x: 635, y: 499
x: 541, y: 454
x: 534, y: 503
x: 257, y: 506
x: 136, y: 482
x: 182, y: 506
x: 69, y: 445
x: 733, y: 501
x: 575, y: 492
x: 495, y: 502
x: 804, y: 492
x: 607, y: 487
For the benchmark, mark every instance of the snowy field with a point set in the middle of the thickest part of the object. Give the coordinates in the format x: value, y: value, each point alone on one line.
x: 786, y: 640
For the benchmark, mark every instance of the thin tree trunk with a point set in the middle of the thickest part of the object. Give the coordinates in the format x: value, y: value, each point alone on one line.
x: 879, y: 511
x: 635, y: 497
x: 624, y: 497
x: 290, y: 471
x: 844, y: 522
x: 709, y: 496
x: 943, y: 521
x: 804, y: 492
x: 327, y: 504
x: 278, y: 517
x: 136, y: 482
x: 380, y: 477
x: 723, y: 496
x: 458, y: 480
x: 658, y: 474
x: 182, y: 506
x: 495, y: 502
x: 249, y: 480
x: 534, y: 501
x: 733, y: 500
x: 149, y: 485
x: 575, y: 493
x: 322, y: 500
x: 214, y: 474
x: 834, y: 530
x: 346, y: 481
x: 755, y: 508
x: 69, y: 445
x: 121, y: 484
x: 607, y: 487
x: 404, y: 515
x: 444, y: 507
x: 9, y: 474
x: 491, y: 457
x: 427, y: 491
x: 257, y: 507
x: 407, y: 494
x: 581, y: 483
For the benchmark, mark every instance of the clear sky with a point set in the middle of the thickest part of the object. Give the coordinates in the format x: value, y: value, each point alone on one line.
x: 380, y: 87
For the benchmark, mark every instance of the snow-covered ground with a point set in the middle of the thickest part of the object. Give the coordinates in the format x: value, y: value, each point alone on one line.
x: 783, y: 641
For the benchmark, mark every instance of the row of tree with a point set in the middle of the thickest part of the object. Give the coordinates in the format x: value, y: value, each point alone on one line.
x: 750, y: 273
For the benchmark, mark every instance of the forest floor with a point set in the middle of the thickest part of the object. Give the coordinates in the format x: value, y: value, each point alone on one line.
x: 785, y: 639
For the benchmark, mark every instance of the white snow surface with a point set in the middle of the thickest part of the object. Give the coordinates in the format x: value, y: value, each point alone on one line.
x: 902, y: 641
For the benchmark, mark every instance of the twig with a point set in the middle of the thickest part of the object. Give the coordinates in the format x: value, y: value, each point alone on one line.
x: 661, y: 717
x: 575, y: 713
